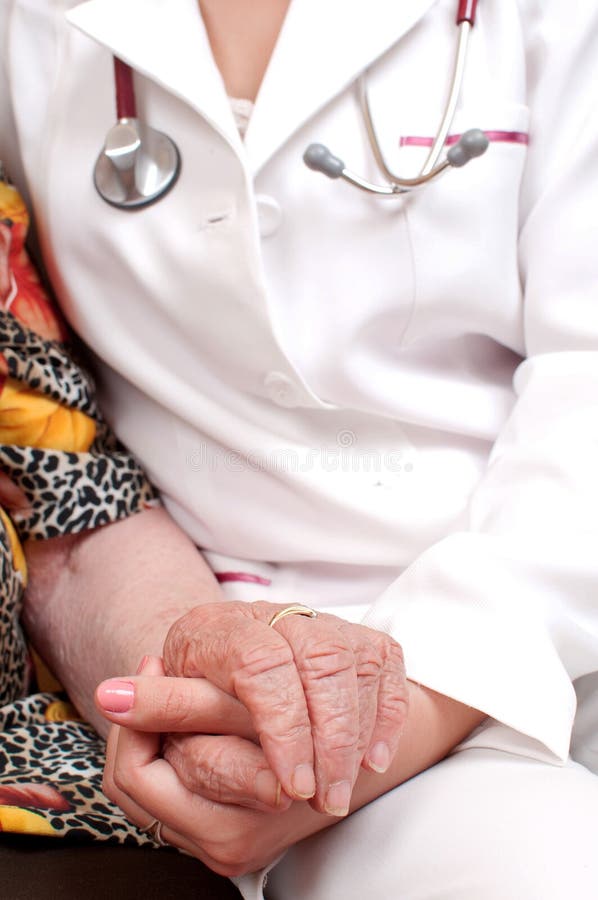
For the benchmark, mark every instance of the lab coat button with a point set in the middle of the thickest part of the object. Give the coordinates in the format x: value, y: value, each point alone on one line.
x: 269, y: 214
x: 281, y: 390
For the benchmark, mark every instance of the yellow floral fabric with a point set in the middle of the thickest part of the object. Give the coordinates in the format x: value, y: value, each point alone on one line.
x: 29, y: 419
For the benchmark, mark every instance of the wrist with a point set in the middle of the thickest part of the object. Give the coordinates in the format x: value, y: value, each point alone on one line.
x: 435, y: 725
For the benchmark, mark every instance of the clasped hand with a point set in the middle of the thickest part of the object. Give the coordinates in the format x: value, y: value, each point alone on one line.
x: 256, y: 718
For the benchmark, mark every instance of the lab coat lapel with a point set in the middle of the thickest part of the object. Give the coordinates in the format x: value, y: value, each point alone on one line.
x: 166, y: 41
x: 323, y: 46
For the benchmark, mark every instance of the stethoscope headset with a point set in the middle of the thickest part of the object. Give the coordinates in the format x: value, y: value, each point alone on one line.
x: 138, y: 165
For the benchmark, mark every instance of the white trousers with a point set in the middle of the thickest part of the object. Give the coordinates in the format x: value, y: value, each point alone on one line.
x: 483, y: 824
x: 494, y: 821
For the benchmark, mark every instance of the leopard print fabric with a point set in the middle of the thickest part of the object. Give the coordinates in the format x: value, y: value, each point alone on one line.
x: 67, y: 492
x: 73, y: 492
x: 61, y: 472
x: 52, y: 773
x: 46, y: 366
x: 15, y: 673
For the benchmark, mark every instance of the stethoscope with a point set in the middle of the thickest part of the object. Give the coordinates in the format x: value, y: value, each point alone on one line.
x: 138, y: 165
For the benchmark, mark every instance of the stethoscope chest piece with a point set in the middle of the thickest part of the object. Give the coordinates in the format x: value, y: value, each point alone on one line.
x: 138, y: 165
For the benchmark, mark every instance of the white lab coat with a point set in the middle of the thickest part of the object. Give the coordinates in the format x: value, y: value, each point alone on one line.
x: 316, y: 376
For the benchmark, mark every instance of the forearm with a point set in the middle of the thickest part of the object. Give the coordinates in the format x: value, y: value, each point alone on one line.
x: 97, y: 602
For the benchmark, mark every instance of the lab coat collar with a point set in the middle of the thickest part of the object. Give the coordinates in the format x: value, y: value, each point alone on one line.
x: 322, y: 47
x: 166, y: 41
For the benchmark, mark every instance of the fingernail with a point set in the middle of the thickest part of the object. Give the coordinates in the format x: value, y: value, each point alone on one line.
x: 116, y: 696
x: 142, y: 665
x: 304, y: 781
x: 338, y: 798
x: 267, y: 787
x: 378, y: 758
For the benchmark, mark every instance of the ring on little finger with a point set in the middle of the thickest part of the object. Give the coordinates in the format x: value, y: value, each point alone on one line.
x: 154, y: 830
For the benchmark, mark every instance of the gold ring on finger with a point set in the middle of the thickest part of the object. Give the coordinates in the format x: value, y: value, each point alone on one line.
x: 296, y: 610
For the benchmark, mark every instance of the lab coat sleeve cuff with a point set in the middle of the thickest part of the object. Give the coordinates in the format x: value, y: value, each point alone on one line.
x: 478, y: 624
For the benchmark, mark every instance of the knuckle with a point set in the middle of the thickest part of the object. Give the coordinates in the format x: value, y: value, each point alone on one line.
x: 179, y: 652
x: 263, y: 610
x: 343, y: 745
x: 188, y: 758
x: 176, y: 646
x: 326, y: 659
x: 216, y: 778
x: 393, y: 652
x: 255, y: 659
x: 293, y: 733
x: 210, y: 769
x: 369, y: 667
x: 369, y: 658
x: 392, y: 710
x: 337, y: 734
x: 178, y: 752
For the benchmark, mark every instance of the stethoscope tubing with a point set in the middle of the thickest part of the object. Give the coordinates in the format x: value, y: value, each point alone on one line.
x: 126, y: 105
x: 465, y: 27
x: 116, y: 171
x: 473, y: 143
x: 466, y: 11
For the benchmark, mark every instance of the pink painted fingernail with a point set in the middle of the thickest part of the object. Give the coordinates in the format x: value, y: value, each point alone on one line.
x: 338, y: 798
x: 378, y: 758
x: 142, y: 665
x: 116, y: 696
x: 304, y: 781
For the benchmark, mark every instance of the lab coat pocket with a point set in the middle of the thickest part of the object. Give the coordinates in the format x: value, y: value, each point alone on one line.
x: 508, y: 125
x: 464, y: 232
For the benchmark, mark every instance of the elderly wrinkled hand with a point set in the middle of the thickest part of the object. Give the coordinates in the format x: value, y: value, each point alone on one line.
x: 324, y: 696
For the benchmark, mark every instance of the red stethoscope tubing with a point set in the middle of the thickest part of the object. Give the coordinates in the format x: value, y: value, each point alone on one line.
x: 126, y: 107
x: 466, y: 11
x: 123, y: 74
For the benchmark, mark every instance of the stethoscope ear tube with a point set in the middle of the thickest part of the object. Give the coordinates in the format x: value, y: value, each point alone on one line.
x: 473, y: 143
